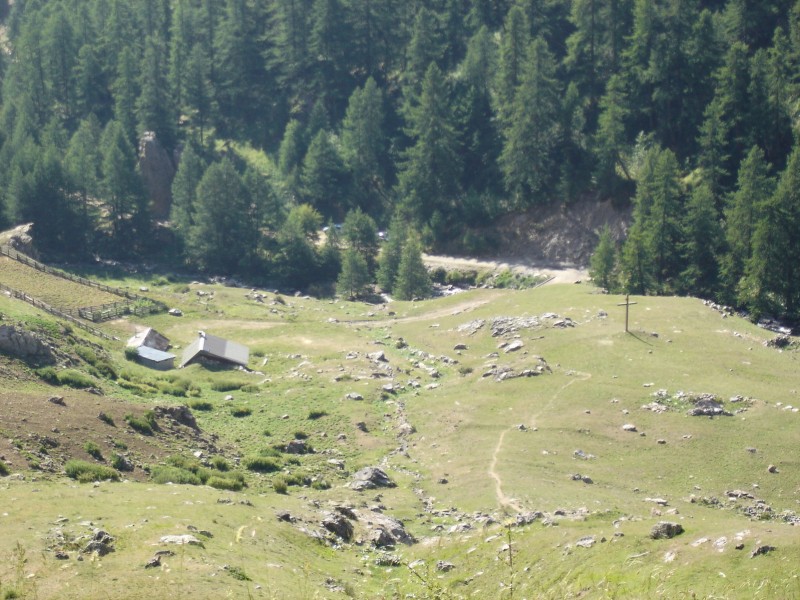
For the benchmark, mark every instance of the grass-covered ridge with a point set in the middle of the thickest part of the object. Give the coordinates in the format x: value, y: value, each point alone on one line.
x: 483, y: 442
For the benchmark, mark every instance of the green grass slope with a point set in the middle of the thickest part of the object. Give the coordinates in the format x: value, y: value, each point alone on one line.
x: 498, y: 413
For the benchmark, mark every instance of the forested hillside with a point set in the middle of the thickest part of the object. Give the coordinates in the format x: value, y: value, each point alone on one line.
x: 430, y: 118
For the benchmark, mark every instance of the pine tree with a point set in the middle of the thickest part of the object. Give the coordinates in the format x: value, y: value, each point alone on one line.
x: 81, y: 163
x: 354, y: 278
x: 528, y: 159
x: 702, y: 243
x: 154, y: 109
x: 361, y: 234
x: 513, y: 56
x: 413, y: 280
x: 324, y: 178
x: 603, y: 261
x: 610, y: 140
x: 364, y: 146
x: 754, y: 188
x: 391, y: 253
x: 428, y: 179
x: 184, y: 191
x: 125, y: 90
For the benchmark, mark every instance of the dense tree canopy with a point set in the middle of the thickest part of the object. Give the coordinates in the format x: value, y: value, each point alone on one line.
x: 445, y: 114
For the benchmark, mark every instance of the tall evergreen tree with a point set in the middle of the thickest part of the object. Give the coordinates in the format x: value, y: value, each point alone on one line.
x: 528, y: 158
x: 412, y: 280
x: 154, y: 108
x: 428, y: 180
x: 702, y: 243
x: 324, y: 178
x: 191, y: 169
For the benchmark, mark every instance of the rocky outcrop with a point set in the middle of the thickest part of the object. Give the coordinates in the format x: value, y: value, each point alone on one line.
x: 23, y: 344
x: 157, y: 170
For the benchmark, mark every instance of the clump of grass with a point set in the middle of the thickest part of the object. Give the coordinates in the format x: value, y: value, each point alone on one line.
x: 93, y: 450
x: 225, y: 483
x: 220, y: 464
x: 202, y: 405
x: 280, y: 485
x: 86, y: 472
x: 320, y: 484
x: 464, y: 371
x: 144, y: 424
x: 107, y: 419
x: 4, y: 471
x: 261, y: 464
x: 316, y: 414
x: 226, y: 385
x: 241, y: 411
x: 131, y: 353
x: 119, y: 463
x: 69, y: 377
x: 168, y: 474
x: 249, y: 389
x: 300, y: 435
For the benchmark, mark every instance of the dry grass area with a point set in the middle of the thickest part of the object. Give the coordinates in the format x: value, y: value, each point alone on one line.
x: 58, y: 292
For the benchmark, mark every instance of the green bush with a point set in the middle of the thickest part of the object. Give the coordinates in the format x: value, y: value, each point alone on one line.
x: 74, y: 379
x: 139, y: 424
x: 87, y: 354
x: 169, y: 474
x: 316, y: 414
x: 273, y: 452
x: 86, y: 472
x: 225, y: 483
x: 119, y: 463
x: 320, y: 484
x: 93, y: 450
x: 131, y: 353
x: 280, y: 485
x: 241, y: 411
x: 261, y: 464
x: 48, y: 374
x: 200, y: 405
x: 300, y: 435
x: 250, y: 388
x: 3, y: 469
x: 220, y: 464
x: 107, y: 419
x: 226, y: 385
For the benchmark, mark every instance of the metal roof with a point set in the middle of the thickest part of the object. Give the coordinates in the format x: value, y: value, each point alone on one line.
x: 216, y: 347
x: 153, y: 354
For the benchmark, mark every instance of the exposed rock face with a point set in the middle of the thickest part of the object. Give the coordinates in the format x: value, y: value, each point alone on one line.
x: 23, y: 344
x: 158, y: 171
x: 338, y: 524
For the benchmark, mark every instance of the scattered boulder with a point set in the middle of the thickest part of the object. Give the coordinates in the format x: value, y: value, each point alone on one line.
x: 298, y: 447
x: 460, y: 347
x: 514, y: 346
x: 175, y: 312
x: 370, y: 478
x: 285, y: 516
x: 180, y: 414
x: 762, y: 550
x: 181, y: 540
x: 707, y: 405
x: 780, y: 341
x: 665, y: 530
x: 354, y: 396
x: 384, y: 530
x: 338, y: 524
x: 772, y: 469
x: 444, y: 566
x: 586, y: 542
x: 629, y: 427
x: 153, y: 563
x: 377, y: 356
x: 57, y: 400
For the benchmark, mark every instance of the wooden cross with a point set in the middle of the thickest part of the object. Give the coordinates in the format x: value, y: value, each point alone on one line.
x: 627, y: 304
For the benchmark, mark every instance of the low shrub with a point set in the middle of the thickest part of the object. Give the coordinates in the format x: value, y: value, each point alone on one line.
x: 273, y: 452
x: 139, y: 424
x: 226, y: 385
x: 131, y: 353
x: 464, y: 371
x: 86, y: 472
x: 220, y: 464
x: 300, y: 435
x: 169, y: 474
x: 225, y: 483
x: 107, y: 419
x: 201, y: 405
x: 261, y: 464
x: 316, y: 414
x: 93, y: 450
x: 280, y: 485
x: 48, y: 374
x: 87, y: 354
x: 241, y: 411
x: 320, y: 484
x: 3, y: 469
x: 74, y: 379
x: 250, y: 388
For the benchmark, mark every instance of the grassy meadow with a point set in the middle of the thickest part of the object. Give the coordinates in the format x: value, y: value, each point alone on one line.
x: 485, y: 468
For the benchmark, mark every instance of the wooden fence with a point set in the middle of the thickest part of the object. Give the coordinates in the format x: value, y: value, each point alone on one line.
x: 133, y: 303
x: 55, y: 311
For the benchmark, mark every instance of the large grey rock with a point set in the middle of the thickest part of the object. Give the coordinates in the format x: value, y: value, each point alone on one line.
x: 385, y: 531
x: 664, y: 530
x: 23, y: 344
x: 181, y: 540
x: 337, y: 523
x: 370, y: 478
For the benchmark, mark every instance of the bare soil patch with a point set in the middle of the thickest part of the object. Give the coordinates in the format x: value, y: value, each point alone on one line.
x: 35, y: 431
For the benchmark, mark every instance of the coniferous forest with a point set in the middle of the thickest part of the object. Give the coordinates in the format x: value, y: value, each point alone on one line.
x: 426, y: 118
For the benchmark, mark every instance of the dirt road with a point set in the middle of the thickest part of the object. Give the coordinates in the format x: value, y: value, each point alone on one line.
x: 560, y: 273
